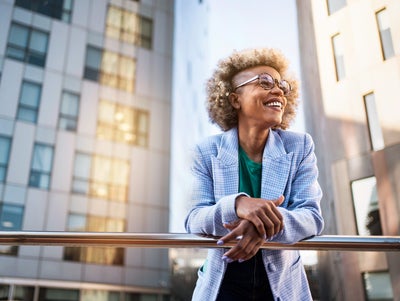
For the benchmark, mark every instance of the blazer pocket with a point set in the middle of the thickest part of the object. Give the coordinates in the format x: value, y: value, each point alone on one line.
x: 295, y: 269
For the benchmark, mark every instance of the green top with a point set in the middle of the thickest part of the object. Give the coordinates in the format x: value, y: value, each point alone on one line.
x: 249, y: 175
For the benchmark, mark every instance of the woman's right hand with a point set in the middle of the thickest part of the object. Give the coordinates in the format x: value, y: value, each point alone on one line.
x: 248, y: 241
x: 263, y: 214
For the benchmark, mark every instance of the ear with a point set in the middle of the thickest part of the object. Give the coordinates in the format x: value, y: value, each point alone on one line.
x: 234, y: 100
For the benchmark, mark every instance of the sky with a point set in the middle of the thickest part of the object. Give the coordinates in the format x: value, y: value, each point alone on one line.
x: 240, y: 24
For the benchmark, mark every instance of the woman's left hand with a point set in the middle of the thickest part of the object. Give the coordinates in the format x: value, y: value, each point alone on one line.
x: 247, y: 246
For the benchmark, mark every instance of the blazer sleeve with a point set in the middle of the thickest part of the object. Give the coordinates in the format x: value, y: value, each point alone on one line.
x: 302, y: 214
x: 207, y: 215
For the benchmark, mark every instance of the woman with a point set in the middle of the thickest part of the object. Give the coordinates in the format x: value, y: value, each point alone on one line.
x: 255, y: 181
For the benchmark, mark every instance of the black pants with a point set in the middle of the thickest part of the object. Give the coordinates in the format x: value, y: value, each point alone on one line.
x: 246, y: 281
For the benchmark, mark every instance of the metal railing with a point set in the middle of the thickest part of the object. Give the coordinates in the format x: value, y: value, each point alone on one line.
x: 178, y: 240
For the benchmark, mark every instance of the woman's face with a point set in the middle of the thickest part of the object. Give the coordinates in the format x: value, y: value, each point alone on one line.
x: 257, y: 106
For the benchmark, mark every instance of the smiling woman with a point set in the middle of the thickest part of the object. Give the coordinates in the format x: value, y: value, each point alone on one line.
x: 220, y: 86
x: 255, y: 181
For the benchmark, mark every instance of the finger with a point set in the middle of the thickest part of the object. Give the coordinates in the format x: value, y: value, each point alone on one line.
x: 258, y: 222
x: 233, y: 235
x: 279, y: 201
x: 244, y: 250
x: 240, y: 250
x: 276, y: 219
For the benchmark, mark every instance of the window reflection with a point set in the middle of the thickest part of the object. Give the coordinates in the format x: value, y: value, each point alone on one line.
x: 122, y: 124
x: 27, y: 44
x: 101, y: 177
x: 378, y: 286
x: 99, y: 255
x: 29, y: 101
x: 5, y: 146
x: 41, y: 166
x: 335, y: 5
x: 69, y: 111
x: 385, y: 34
x: 338, y: 52
x: 366, y: 206
x: 110, y: 68
x: 58, y: 9
x: 129, y: 27
x: 10, y: 220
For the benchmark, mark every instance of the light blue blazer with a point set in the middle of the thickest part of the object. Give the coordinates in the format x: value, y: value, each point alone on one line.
x: 289, y: 167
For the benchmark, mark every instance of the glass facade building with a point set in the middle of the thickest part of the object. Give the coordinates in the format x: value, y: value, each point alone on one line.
x: 85, y: 106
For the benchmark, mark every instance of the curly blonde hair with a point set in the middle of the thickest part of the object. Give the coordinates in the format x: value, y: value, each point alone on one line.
x: 219, y: 86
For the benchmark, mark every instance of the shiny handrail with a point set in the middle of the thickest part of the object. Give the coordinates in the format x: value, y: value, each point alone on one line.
x: 180, y: 240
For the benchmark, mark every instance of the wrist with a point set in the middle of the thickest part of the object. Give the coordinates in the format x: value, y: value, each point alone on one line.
x: 238, y: 201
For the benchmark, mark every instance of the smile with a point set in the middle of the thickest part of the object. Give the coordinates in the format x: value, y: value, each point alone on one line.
x: 274, y: 104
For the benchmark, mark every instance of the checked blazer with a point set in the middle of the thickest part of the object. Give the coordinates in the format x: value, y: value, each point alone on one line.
x: 289, y: 168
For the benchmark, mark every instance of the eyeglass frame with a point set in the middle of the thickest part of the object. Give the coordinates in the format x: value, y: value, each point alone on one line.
x: 276, y: 83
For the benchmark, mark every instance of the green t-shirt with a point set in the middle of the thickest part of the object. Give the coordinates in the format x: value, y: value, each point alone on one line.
x: 249, y: 175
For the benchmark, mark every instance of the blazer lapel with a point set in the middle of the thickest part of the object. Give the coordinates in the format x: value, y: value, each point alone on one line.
x: 226, y: 166
x: 276, y: 167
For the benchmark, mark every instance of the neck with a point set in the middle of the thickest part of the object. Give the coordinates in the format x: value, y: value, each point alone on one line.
x: 252, y: 140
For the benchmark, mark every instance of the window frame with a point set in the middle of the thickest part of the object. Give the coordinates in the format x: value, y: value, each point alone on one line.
x: 338, y: 57
x: 37, y: 183
x: 4, y: 165
x: 386, y: 44
x: 60, y: 12
x: 28, y: 55
x: 22, y: 105
x: 374, y: 129
x: 330, y: 7
x: 70, y: 120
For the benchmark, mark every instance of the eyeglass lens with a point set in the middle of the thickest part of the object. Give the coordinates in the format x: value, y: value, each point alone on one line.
x: 268, y: 82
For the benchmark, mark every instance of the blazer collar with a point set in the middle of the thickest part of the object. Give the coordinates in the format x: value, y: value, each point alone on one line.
x: 228, y: 151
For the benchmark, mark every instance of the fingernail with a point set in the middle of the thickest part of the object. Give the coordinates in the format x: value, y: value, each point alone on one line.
x: 265, y: 236
x: 226, y: 259
x: 241, y: 260
x: 220, y: 242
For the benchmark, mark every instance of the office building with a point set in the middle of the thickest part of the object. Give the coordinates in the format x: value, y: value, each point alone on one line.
x: 85, y: 109
x: 350, y: 59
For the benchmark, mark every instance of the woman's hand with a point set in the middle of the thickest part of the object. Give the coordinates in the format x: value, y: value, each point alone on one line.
x: 262, y: 213
x: 248, y: 244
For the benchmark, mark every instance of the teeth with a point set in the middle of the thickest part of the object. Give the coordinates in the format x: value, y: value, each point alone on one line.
x: 274, y: 104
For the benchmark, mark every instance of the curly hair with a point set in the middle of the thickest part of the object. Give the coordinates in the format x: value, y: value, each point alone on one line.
x: 219, y: 86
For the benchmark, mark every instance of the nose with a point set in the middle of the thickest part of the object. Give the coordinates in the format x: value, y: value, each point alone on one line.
x: 276, y: 90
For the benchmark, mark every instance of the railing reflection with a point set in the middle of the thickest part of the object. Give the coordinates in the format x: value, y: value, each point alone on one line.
x: 179, y: 240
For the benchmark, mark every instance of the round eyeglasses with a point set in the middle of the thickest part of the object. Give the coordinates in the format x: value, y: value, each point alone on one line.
x: 267, y: 82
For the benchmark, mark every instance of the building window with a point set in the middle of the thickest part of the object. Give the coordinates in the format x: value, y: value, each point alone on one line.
x: 57, y: 294
x: 101, y: 177
x: 375, y: 131
x: 110, y: 68
x: 102, y: 295
x: 27, y: 45
x: 58, y: 9
x: 335, y: 5
x: 99, y: 255
x: 366, y: 206
x: 69, y: 111
x: 385, y: 34
x: 5, y: 146
x: 42, y: 162
x: 29, y: 100
x: 338, y: 53
x: 378, y: 286
x: 122, y: 124
x: 93, y: 63
x: 10, y: 220
x: 129, y: 27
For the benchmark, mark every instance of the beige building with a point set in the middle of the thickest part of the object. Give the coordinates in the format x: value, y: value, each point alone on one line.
x: 350, y: 57
x: 85, y: 108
